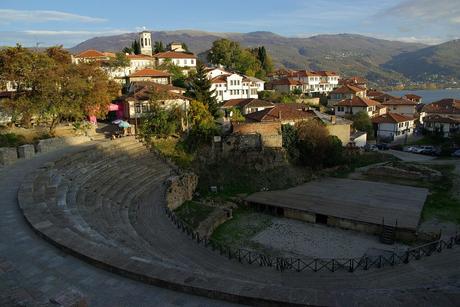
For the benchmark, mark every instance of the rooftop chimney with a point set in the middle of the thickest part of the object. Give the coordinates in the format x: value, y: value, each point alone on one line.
x: 279, y: 115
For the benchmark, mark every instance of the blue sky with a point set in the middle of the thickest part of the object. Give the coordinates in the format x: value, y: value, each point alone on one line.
x: 69, y: 22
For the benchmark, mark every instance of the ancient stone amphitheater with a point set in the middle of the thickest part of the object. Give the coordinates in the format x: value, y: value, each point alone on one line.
x: 103, y: 204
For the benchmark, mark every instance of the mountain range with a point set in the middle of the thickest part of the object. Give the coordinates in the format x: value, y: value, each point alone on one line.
x: 380, y: 61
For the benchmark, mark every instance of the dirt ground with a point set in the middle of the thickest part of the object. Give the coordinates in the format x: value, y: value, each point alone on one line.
x: 32, y: 134
x: 294, y: 238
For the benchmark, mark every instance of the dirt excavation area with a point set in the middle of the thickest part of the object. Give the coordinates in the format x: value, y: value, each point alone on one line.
x: 292, y: 238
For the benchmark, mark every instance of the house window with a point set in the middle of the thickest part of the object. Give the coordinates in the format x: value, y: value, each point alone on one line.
x: 193, y: 62
x: 340, y: 109
x: 137, y: 108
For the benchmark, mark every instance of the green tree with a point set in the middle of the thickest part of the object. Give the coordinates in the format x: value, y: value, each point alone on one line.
x: 362, y: 122
x: 224, y: 52
x: 237, y: 115
x: 136, y: 47
x: 200, y: 89
x: 128, y: 50
x: 316, y: 147
x: 185, y: 47
x: 159, y: 122
x: 290, y: 142
x: 17, y: 65
x: 203, y: 126
x: 177, y: 74
x: 50, y: 87
x: 120, y: 60
x: 158, y: 47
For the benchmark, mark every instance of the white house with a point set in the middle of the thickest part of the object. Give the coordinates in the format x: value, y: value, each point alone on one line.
x: 153, y: 75
x: 176, y: 46
x: 247, y: 106
x: 346, y: 91
x: 92, y: 55
x: 313, y: 82
x: 235, y: 86
x: 357, y: 104
x: 401, y: 106
x: 181, y: 59
x: 138, y: 101
x: 136, y: 62
x: 445, y: 125
x: 393, y: 127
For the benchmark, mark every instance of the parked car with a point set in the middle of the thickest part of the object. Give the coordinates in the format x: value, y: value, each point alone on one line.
x: 383, y: 146
x: 428, y: 150
x: 409, y: 148
x: 456, y: 153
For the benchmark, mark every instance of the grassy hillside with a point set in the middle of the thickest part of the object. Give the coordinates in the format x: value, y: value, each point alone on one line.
x: 435, y: 63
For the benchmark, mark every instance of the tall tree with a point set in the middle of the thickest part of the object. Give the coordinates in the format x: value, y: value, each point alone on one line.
x: 185, y: 47
x: 136, y: 47
x: 200, y: 89
x: 158, y: 47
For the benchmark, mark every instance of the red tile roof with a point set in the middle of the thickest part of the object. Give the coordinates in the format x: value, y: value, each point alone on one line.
x: 347, y: 89
x: 358, y: 102
x: 399, y: 102
x: 374, y: 93
x: 148, y: 72
x: 91, y: 54
x: 412, y: 96
x: 286, y: 111
x: 174, y: 55
x: 251, y: 102
x: 286, y: 81
x: 220, y: 79
x: 444, y: 106
x: 441, y: 119
x: 139, y: 57
x: 391, y: 118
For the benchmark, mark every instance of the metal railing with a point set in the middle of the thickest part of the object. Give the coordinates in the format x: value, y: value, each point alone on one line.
x: 318, y: 264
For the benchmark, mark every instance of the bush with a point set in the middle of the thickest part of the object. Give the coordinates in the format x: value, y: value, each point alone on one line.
x: 309, y: 144
x: 11, y: 140
x: 159, y: 122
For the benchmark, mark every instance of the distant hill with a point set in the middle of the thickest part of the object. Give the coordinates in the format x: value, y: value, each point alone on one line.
x: 434, y: 63
x: 348, y: 54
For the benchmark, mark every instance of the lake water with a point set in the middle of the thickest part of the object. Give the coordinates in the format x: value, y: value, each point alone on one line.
x: 430, y: 95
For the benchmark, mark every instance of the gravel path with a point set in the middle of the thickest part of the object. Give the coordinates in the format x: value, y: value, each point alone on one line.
x: 302, y: 239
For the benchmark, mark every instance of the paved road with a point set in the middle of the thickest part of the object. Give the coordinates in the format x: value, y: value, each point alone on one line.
x: 409, y: 157
x: 45, y: 271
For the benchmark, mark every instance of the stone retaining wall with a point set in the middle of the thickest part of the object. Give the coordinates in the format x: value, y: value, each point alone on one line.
x: 8, y: 155
x: 214, y: 220
x: 180, y: 188
x: 48, y: 145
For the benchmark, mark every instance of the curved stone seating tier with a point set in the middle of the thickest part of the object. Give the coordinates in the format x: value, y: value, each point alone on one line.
x: 105, y: 205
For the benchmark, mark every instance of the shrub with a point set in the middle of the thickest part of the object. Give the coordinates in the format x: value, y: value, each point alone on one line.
x: 11, y: 140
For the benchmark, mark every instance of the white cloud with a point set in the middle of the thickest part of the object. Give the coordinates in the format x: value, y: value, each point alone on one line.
x: 438, y: 11
x: 8, y: 16
x: 63, y: 33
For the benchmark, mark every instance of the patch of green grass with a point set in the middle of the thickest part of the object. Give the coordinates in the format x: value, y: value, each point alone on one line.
x: 173, y: 149
x: 440, y: 203
x: 365, y: 159
x: 238, y: 231
x: 193, y: 213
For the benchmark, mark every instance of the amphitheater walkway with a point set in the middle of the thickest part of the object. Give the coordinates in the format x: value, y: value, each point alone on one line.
x: 122, y: 224
x: 32, y: 270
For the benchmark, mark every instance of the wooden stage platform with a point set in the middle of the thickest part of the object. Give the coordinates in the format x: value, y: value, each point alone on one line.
x: 355, y: 200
